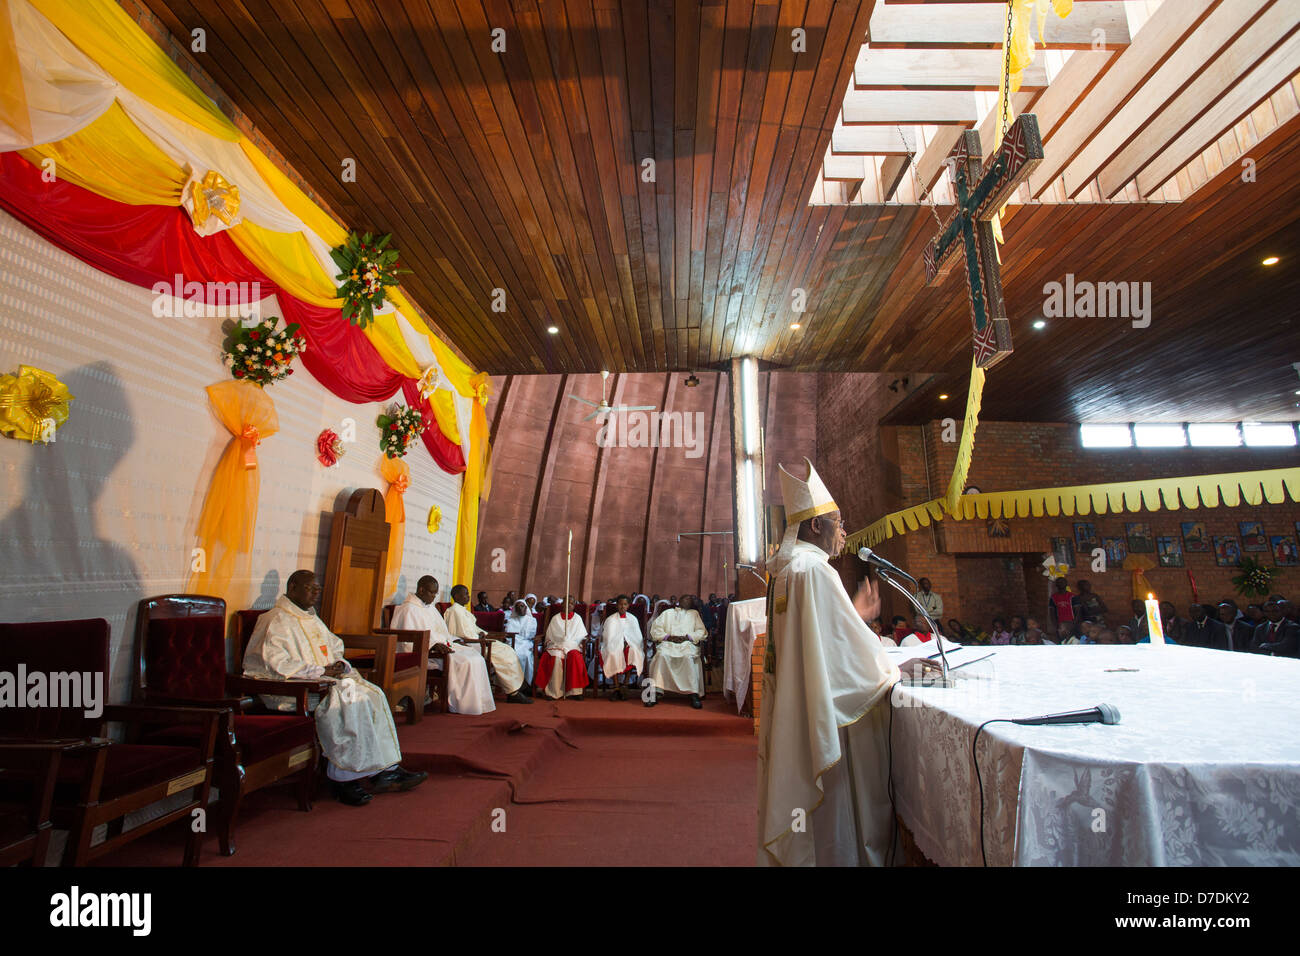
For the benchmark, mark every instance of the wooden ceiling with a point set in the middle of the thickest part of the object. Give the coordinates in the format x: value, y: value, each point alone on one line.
x: 522, y: 170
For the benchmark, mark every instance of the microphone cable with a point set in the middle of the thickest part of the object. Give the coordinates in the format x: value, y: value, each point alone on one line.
x: 974, y: 756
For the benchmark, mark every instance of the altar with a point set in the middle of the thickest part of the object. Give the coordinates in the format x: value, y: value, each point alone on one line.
x: 1203, y: 768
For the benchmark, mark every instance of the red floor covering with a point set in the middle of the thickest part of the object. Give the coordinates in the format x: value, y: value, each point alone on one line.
x: 590, y: 782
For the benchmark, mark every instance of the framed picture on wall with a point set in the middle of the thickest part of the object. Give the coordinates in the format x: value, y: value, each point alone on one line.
x: 1085, y: 537
x: 1252, y: 536
x: 1063, y: 551
x: 1169, y: 551
x: 1116, y: 552
x: 1227, y: 553
x: 1195, y: 540
x: 1140, y: 538
x: 1284, y: 551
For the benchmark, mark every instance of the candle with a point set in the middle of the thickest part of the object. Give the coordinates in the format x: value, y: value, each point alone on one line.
x: 1154, y: 630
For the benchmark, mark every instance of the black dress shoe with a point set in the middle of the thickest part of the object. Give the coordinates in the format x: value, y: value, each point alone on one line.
x: 618, y: 694
x: 695, y: 701
x: 651, y: 703
x: 350, y: 792
x: 518, y: 698
x: 397, y: 779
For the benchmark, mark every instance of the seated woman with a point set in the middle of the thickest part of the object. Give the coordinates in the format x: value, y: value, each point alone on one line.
x: 521, y: 623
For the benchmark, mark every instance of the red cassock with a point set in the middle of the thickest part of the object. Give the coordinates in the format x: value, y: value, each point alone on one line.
x: 563, y: 643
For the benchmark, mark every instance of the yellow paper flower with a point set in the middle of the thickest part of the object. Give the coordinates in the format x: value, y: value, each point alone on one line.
x: 435, y: 519
x: 33, y: 404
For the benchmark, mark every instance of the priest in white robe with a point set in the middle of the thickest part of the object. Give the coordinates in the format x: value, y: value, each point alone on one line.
x: 562, y: 671
x: 462, y: 624
x: 621, y: 646
x: 469, y: 689
x: 521, y: 623
x: 823, y: 794
x: 353, y: 720
x: 677, y: 634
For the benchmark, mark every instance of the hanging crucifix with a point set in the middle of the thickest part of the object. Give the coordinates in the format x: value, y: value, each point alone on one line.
x: 981, y: 192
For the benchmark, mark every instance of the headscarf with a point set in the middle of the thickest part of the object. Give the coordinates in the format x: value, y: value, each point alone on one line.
x: 662, y: 606
x: 524, y: 625
x: 532, y: 606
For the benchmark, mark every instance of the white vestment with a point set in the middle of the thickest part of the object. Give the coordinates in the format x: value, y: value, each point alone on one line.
x: 469, y: 689
x: 525, y: 631
x: 822, y: 754
x: 461, y: 623
x: 563, y: 635
x: 621, y: 646
x: 353, y: 720
x: 676, y: 666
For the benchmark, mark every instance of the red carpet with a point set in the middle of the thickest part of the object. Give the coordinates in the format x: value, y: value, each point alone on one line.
x: 590, y: 782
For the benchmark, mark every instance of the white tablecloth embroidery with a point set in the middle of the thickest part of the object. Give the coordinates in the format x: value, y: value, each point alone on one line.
x: 745, y: 620
x: 1203, y: 769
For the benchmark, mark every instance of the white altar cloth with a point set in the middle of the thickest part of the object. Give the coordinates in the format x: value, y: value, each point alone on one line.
x: 1203, y: 768
x: 745, y: 621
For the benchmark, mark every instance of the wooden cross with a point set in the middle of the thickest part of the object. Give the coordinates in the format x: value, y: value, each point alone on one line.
x: 981, y: 192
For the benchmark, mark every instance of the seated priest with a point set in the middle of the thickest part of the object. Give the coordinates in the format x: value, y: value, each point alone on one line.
x: 521, y: 623
x: 562, y: 672
x: 469, y: 689
x: 621, y: 647
x: 462, y: 624
x: 353, y: 721
x: 677, y: 633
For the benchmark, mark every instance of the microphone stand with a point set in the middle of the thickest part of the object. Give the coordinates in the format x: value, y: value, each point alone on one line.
x: 943, y: 680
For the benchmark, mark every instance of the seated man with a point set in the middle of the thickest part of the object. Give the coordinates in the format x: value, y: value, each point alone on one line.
x: 1277, y: 636
x: 482, y: 602
x: 1205, y: 630
x: 462, y: 624
x: 353, y: 721
x: 621, y: 647
x: 677, y: 633
x: 523, y: 626
x: 562, y: 671
x: 469, y: 689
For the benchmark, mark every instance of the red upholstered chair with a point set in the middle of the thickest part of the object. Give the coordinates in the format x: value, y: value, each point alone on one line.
x: 101, y: 785
x: 33, y: 766
x: 181, y: 648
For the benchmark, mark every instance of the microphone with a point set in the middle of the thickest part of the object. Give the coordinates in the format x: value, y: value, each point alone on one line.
x: 869, y: 556
x: 1102, y: 713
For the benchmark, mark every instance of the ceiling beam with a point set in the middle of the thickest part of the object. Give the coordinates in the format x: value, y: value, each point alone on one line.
x: 872, y: 140
x: 909, y: 108
x: 938, y: 70
x: 984, y: 25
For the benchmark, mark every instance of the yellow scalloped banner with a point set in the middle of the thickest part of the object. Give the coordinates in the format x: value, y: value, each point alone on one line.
x: 1254, y: 488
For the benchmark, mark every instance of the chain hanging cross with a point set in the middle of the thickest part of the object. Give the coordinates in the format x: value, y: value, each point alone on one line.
x: 981, y: 192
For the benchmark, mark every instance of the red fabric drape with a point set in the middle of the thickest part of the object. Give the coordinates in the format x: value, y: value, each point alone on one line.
x: 445, y: 452
x: 145, y: 245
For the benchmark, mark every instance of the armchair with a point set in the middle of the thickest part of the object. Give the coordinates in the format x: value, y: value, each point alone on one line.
x: 25, y: 825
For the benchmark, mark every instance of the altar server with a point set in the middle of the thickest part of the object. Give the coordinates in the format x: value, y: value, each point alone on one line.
x: 823, y: 795
x: 562, y: 671
x: 523, y: 626
x: 353, y: 721
x: 461, y: 623
x: 621, y: 646
x: 469, y: 689
x: 677, y: 633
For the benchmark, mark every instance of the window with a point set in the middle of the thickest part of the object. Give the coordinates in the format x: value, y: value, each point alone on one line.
x: 1214, y: 435
x: 1159, y: 436
x: 1275, y: 434
x: 1106, y: 436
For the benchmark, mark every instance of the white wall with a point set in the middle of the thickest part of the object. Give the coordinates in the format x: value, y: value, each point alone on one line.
x: 105, y: 515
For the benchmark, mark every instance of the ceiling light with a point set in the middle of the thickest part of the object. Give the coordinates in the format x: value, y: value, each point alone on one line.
x: 794, y: 325
x: 1040, y: 324
x: 553, y: 329
x: 1271, y: 261
x: 944, y: 396
x: 692, y: 381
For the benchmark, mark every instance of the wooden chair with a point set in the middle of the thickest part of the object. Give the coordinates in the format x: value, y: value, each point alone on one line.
x: 25, y: 825
x: 181, y: 659
x: 435, y: 676
x: 102, y: 784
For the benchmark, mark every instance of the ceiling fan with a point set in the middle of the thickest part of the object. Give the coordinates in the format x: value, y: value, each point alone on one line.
x: 604, y: 408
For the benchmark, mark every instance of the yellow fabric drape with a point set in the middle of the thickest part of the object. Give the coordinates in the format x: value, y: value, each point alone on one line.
x: 287, y: 260
x: 398, y: 475
x: 113, y: 158
x: 108, y: 35
x: 1139, y: 565
x: 974, y: 398
x: 294, y: 199
x: 229, y: 515
x: 13, y: 94
x: 1270, y: 486
x: 471, y: 489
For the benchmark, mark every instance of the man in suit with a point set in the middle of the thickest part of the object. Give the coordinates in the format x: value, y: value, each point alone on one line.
x: 1204, y: 630
x: 1240, y: 630
x: 1278, y: 636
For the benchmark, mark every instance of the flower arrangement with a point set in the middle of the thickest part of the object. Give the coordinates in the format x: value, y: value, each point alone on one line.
x: 398, y: 427
x: 329, y: 448
x: 368, y: 268
x: 262, y: 353
x: 1254, y: 579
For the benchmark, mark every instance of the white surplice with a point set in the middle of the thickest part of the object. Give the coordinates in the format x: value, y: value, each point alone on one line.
x: 469, y: 689
x: 563, y: 635
x: 676, y: 665
x: 823, y: 796
x: 353, y: 720
x: 621, y: 645
x: 525, y: 631
x: 461, y: 622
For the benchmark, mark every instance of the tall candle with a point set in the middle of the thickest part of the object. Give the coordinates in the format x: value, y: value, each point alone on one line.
x: 1154, y: 629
